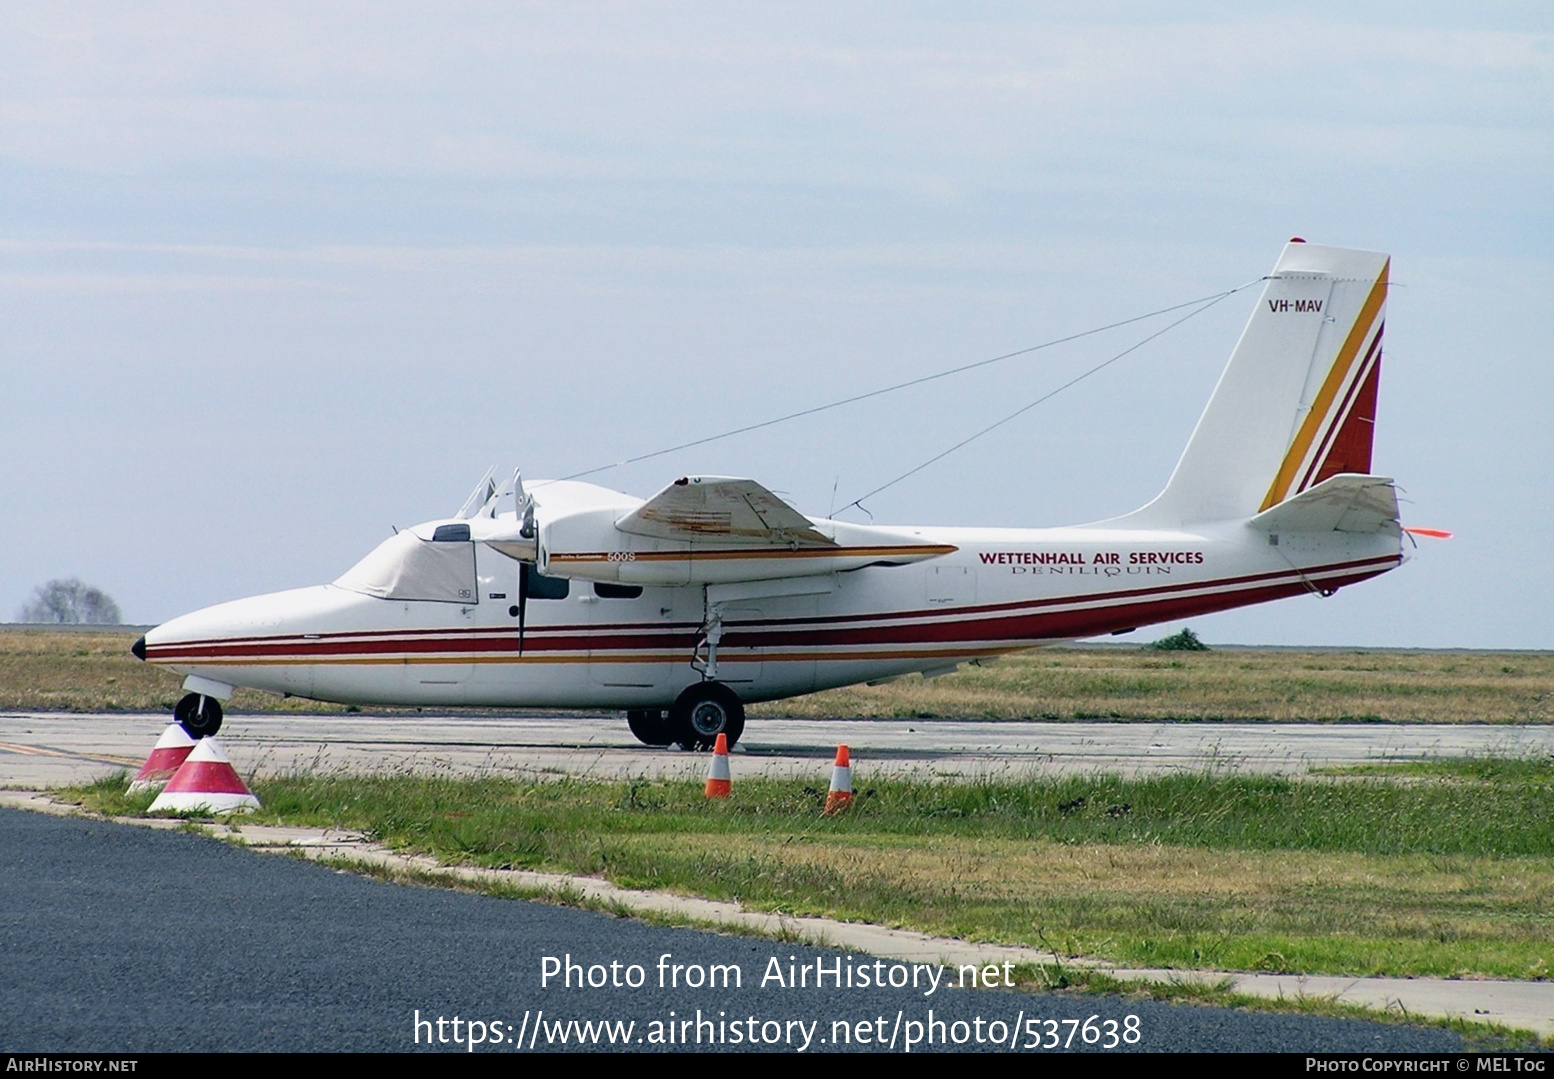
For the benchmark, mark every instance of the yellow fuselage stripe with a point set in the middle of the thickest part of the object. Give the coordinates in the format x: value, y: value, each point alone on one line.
x: 919, y: 551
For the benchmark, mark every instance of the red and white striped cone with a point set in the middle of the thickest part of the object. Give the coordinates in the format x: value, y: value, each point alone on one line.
x: 206, y: 781
x: 167, y: 756
x: 841, y: 795
x: 719, y: 783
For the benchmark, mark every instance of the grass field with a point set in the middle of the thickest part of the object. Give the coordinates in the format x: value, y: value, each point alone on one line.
x: 93, y: 672
x: 1445, y: 871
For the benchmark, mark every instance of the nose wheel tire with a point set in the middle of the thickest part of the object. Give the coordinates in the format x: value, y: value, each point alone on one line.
x: 705, y: 711
x: 650, y: 726
x: 199, y: 715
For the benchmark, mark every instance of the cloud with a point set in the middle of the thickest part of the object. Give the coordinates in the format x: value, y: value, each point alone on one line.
x: 709, y: 94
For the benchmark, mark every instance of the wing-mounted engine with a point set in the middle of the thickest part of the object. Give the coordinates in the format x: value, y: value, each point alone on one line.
x: 713, y: 530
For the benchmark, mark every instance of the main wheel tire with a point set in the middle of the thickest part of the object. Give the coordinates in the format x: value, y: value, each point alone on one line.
x: 705, y: 711
x: 650, y: 726
x: 199, y: 715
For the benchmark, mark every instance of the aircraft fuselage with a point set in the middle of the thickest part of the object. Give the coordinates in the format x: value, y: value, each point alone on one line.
x: 1000, y: 591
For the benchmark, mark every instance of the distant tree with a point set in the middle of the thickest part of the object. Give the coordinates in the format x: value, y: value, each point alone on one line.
x: 70, y: 602
x: 1185, y: 641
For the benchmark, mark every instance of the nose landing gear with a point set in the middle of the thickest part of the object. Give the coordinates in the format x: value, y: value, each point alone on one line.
x: 198, y: 714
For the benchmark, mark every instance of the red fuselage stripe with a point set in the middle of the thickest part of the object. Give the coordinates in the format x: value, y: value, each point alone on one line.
x: 1029, y: 621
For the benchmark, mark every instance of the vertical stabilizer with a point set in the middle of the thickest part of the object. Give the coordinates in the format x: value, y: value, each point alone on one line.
x: 1297, y: 402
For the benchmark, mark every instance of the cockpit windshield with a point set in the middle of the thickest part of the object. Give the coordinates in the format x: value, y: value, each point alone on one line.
x: 406, y: 566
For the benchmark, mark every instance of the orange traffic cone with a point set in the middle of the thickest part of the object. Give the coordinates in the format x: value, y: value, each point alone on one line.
x: 166, y: 757
x: 841, y: 795
x: 719, y: 784
x: 206, y: 781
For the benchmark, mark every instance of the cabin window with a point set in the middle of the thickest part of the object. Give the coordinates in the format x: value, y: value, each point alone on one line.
x: 605, y: 590
x: 407, y: 567
x: 538, y: 586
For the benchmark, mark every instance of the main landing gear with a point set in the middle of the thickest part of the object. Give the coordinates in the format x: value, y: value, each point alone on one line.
x: 650, y: 726
x: 199, y: 715
x: 705, y: 711
x: 695, y: 720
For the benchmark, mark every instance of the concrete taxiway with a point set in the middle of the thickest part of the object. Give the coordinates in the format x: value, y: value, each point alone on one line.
x: 40, y: 750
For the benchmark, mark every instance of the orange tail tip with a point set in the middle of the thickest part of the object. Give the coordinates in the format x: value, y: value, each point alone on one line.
x: 1429, y: 533
x: 841, y: 794
x: 719, y: 782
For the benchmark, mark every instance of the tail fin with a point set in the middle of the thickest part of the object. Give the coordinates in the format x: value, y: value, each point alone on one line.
x: 1297, y: 402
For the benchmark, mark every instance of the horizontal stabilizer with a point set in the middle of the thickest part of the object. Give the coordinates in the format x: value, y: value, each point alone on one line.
x: 1346, y: 503
x: 721, y: 508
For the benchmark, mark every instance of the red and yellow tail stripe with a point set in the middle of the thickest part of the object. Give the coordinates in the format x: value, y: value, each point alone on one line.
x: 1336, y: 434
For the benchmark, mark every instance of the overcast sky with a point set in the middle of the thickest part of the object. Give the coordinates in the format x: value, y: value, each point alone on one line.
x: 276, y: 277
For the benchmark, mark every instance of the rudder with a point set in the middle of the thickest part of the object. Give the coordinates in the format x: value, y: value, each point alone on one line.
x: 1296, y: 404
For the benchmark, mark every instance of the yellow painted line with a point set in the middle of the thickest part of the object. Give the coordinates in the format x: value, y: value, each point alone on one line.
x: 1318, y: 417
x: 29, y: 751
x: 44, y: 751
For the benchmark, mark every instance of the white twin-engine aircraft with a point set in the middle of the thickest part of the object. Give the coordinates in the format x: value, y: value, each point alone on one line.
x: 715, y: 592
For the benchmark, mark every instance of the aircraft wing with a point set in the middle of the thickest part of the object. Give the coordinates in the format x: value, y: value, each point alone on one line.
x: 722, y: 508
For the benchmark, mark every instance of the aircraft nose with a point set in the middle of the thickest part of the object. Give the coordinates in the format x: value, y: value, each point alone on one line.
x: 139, y: 649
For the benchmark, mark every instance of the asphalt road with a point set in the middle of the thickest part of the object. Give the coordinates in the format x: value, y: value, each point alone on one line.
x: 123, y: 939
